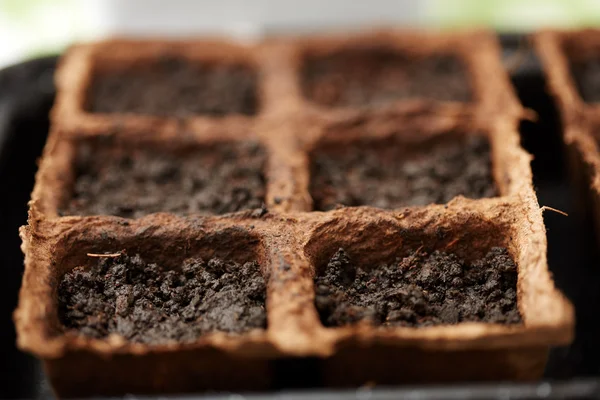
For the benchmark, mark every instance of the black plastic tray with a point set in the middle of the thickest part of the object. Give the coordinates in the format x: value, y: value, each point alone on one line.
x: 26, y: 95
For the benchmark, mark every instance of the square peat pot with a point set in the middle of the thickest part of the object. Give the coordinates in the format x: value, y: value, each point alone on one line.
x: 570, y: 62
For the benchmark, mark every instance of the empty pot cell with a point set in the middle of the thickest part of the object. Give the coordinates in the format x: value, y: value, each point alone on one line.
x: 390, y: 175
x: 376, y: 76
x: 175, y: 87
x: 155, y: 296
x: 417, y: 289
x: 133, y: 182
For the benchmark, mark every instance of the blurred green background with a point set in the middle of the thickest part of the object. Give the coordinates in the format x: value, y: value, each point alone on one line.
x: 514, y: 15
x: 30, y: 28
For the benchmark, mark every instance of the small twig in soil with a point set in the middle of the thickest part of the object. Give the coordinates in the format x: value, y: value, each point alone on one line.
x: 417, y: 251
x: 544, y: 208
x: 109, y: 255
x: 414, y: 256
x: 451, y: 243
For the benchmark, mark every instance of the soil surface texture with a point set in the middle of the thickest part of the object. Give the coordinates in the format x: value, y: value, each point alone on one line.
x: 145, y: 303
x: 418, y: 290
x: 175, y: 87
x: 213, y: 180
x: 587, y: 78
x: 376, y: 175
x: 374, y: 77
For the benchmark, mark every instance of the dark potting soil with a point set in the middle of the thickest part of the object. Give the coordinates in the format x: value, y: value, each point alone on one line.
x: 145, y: 303
x: 373, y: 77
x: 418, y: 290
x: 213, y: 180
x: 175, y: 87
x: 375, y: 175
x: 587, y: 78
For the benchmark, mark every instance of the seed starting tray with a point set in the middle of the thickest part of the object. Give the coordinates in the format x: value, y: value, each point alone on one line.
x: 290, y: 240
